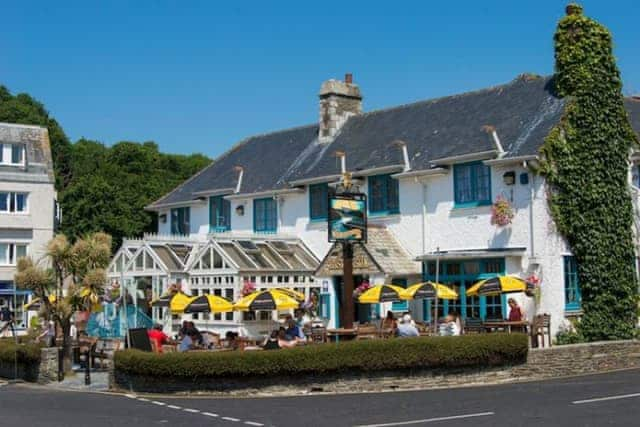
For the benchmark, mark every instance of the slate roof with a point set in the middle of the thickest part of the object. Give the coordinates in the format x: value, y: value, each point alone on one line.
x: 522, y: 112
x: 38, y: 152
x: 264, y: 158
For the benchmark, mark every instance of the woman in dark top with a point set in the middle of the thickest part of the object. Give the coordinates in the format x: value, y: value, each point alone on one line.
x: 272, y: 342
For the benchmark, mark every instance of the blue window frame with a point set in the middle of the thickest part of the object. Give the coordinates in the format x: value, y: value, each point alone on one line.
x: 265, y: 215
x: 180, y: 218
x: 400, y: 305
x: 219, y: 214
x: 318, y: 201
x: 461, y: 275
x: 383, y: 195
x: 572, y: 295
x: 472, y: 184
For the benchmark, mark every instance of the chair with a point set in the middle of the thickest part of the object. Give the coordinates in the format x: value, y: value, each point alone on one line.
x: 104, y: 349
x: 473, y: 326
x: 365, y: 332
x: 540, y: 327
x: 318, y: 335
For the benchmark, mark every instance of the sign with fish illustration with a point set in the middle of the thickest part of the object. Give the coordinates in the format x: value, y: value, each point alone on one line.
x: 348, y: 218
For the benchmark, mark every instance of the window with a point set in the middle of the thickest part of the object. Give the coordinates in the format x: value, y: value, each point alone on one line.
x: 180, y: 220
x: 13, y: 202
x: 400, y: 305
x: 219, y: 214
x: 17, y: 154
x: 265, y: 215
x: 472, y: 184
x: 383, y: 195
x: 11, y: 252
x: 318, y: 201
x: 572, y: 294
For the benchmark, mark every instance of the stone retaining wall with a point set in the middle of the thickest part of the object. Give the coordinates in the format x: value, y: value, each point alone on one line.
x: 541, y: 363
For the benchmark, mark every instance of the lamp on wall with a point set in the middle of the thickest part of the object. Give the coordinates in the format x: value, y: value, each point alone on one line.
x: 509, y: 178
x: 240, y: 210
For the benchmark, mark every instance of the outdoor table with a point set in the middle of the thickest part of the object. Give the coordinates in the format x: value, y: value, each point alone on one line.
x: 521, y: 325
x: 336, y: 334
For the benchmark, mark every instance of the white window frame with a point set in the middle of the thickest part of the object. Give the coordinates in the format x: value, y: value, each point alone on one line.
x: 13, y: 195
x: 7, y: 154
x: 7, y: 261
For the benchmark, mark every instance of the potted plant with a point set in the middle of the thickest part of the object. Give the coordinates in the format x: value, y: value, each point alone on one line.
x: 501, y: 212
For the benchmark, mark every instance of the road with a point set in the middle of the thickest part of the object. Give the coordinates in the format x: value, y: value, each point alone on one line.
x: 596, y: 400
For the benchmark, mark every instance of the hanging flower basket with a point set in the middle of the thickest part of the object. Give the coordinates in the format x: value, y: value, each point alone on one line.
x: 361, y: 289
x: 248, y: 288
x: 501, y: 212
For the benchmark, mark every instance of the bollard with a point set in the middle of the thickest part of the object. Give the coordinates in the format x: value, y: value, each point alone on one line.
x: 87, y: 368
x: 60, y: 364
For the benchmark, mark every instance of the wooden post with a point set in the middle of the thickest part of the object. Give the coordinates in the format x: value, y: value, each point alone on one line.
x: 347, y: 286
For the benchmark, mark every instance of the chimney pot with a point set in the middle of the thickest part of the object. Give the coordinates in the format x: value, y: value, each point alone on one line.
x: 348, y: 78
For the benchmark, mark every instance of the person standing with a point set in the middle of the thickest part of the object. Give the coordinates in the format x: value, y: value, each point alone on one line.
x: 6, y: 321
x: 515, y: 312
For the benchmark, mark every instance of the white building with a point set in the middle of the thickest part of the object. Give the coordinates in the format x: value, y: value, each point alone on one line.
x: 431, y: 170
x: 27, y: 204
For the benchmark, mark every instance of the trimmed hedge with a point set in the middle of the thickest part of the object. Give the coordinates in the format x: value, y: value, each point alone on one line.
x: 28, y: 358
x: 470, y: 351
x: 26, y: 353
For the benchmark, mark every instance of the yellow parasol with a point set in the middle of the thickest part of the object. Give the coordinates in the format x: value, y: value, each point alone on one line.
x: 271, y: 299
x: 381, y: 293
x: 500, y: 285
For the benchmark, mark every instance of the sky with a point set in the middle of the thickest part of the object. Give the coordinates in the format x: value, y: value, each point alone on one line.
x: 200, y: 76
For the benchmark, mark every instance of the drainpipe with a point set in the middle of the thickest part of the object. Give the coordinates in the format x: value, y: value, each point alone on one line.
x: 531, y: 199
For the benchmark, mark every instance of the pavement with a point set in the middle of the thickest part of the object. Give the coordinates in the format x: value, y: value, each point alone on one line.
x: 595, y: 400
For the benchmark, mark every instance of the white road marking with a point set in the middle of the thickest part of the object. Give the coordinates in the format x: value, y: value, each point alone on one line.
x: 251, y: 423
x: 430, y: 420
x: 230, y: 419
x: 142, y: 399
x: 155, y: 402
x: 131, y: 396
x: 602, y: 399
x: 173, y: 407
x: 193, y: 411
x: 209, y: 414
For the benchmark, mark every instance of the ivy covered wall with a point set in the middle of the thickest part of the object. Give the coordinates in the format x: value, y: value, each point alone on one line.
x: 585, y: 160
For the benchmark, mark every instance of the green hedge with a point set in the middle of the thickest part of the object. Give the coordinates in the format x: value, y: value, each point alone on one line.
x: 26, y: 353
x: 468, y: 351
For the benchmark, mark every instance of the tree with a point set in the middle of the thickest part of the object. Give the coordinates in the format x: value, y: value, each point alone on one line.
x: 586, y: 162
x: 80, y: 266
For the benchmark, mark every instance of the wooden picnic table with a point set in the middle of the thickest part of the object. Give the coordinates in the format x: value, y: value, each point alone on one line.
x: 337, y: 334
x: 521, y: 325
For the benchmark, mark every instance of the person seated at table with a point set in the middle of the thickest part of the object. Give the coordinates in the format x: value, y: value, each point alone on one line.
x: 182, y: 332
x: 283, y: 342
x: 389, y: 323
x: 188, y: 341
x: 158, y: 336
x: 232, y: 340
x: 450, y: 326
x: 515, y: 312
x: 406, y: 328
x: 293, y: 331
x: 198, y: 336
x: 271, y: 343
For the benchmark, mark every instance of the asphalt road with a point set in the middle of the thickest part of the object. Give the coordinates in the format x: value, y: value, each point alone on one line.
x: 597, y: 400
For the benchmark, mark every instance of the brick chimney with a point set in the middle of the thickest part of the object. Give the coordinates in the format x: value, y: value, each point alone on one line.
x: 338, y: 101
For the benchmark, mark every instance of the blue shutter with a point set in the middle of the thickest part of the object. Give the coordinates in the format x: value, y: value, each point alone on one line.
x: 318, y: 202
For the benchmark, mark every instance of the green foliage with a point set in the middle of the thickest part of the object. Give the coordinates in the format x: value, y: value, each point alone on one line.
x: 355, y: 356
x: 569, y: 337
x: 28, y: 353
x: 23, y: 109
x: 585, y: 160
x: 111, y: 187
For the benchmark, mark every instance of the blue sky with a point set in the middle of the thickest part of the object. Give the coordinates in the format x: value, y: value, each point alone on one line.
x: 199, y: 76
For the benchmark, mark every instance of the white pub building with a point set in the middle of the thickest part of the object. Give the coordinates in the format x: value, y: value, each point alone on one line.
x: 431, y: 171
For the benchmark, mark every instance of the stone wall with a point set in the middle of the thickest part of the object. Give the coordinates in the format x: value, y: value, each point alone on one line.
x: 48, y: 370
x: 541, y: 364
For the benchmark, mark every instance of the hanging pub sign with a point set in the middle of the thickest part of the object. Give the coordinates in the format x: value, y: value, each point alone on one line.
x: 348, y: 217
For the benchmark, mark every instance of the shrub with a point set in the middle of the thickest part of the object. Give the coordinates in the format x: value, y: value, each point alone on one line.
x: 469, y: 351
x: 26, y: 353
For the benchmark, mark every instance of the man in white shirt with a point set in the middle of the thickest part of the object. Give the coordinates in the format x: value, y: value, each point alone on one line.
x: 407, y: 328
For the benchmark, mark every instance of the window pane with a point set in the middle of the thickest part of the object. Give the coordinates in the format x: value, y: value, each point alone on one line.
x: 376, y: 194
x: 12, y: 202
x: 16, y: 154
x: 21, y: 202
x: 393, y: 203
x: 494, y: 307
x: 4, y: 253
x: 571, y: 284
x: 462, y: 177
x: 4, y: 202
x: 318, y: 202
x: 483, y: 186
x: 265, y: 215
x: 21, y: 251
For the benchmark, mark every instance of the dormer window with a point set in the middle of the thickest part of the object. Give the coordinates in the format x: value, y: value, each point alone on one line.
x: 472, y: 184
x: 12, y: 154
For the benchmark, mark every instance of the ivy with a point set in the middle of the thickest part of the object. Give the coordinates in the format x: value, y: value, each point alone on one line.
x: 585, y: 159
